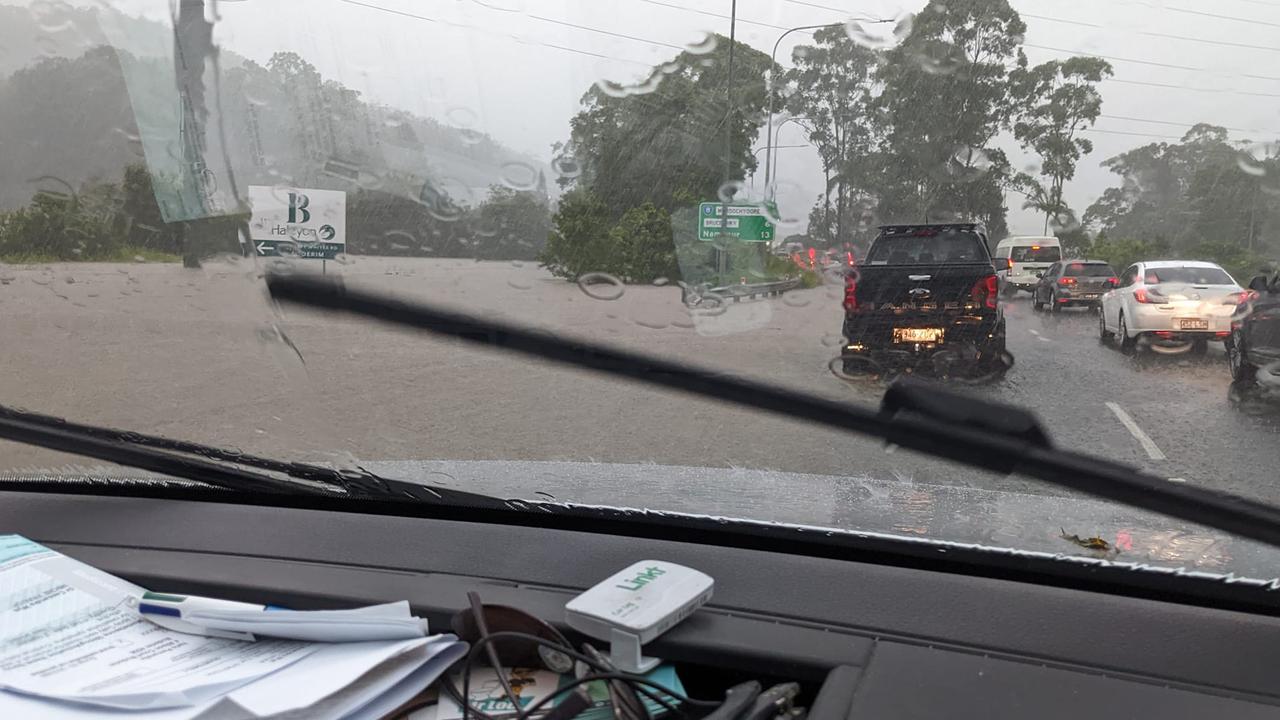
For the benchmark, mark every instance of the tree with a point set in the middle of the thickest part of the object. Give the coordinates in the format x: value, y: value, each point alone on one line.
x: 510, y: 224
x: 946, y: 95
x: 832, y: 90
x: 579, y: 242
x: 664, y: 140
x: 642, y: 241
x: 1196, y: 193
x: 1059, y: 98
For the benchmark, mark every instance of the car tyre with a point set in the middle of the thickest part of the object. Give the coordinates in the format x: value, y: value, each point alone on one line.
x: 1242, y: 371
x: 1127, y: 344
x: 1104, y: 335
x: 1053, y: 301
x: 1035, y: 300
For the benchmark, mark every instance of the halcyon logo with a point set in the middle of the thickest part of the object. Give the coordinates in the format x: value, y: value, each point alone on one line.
x: 298, y: 207
x: 645, y: 577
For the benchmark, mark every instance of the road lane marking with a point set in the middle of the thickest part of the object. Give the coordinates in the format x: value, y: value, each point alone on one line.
x: 1153, y: 451
x: 1044, y: 339
x: 1177, y: 480
x: 1034, y: 331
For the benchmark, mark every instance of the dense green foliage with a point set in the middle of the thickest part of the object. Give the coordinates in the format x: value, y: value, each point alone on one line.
x: 1202, y: 198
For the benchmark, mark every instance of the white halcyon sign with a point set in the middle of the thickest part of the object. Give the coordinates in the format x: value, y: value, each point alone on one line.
x: 298, y: 222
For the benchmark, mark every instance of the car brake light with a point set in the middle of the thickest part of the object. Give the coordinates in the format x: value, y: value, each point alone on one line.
x: 1148, y: 296
x: 1115, y: 282
x: 986, y: 291
x: 1240, y: 298
x: 1066, y: 281
x: 850, y: 293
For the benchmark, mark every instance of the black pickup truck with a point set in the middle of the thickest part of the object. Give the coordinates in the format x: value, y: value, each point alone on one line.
x: 925, y: 292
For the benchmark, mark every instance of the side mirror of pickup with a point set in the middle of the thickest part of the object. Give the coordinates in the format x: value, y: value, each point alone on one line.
x: 1001, y: 264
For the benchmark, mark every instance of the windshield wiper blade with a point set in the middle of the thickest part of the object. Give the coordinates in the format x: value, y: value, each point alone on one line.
x: 925, y: 427
x: 215, y: 466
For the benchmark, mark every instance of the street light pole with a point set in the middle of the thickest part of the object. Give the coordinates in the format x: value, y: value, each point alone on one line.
x: 768, y: 132
x: 722, y: 260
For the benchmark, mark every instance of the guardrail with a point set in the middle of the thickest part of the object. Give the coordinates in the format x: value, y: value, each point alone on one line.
x: 695, y: 296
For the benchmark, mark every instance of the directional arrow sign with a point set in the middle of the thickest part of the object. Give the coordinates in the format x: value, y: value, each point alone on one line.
x: 748, y: 223
x: 298, y: 222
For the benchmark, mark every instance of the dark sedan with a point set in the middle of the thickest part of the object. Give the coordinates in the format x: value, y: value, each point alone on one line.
x: 1073, y: 282
x: 1253, y: 349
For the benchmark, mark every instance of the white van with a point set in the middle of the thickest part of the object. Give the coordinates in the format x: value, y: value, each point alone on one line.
x: 1028, y: 258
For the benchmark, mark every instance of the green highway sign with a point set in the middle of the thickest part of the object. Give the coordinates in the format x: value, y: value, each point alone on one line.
x: 747, y: 223
x: 300, y: 249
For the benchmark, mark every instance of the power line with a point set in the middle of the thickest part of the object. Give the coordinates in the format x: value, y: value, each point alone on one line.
x: 553, y: 46
x: 1117, y: 59
x: 842, y: 11
x: 1224, y: 43
x: 1251, y: 21
x: 610, y: 33
x: 1060, y: 20
x: 708, y: 13
x: 1191, y: 89
x: 1138, y: 134
x: 1184, y: 124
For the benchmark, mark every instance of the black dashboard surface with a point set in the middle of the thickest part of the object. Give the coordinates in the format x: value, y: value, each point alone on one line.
x: 920, y: 643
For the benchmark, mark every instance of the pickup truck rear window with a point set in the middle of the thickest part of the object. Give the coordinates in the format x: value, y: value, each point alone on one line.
x: 1035, y: 253
x: 918, y: 247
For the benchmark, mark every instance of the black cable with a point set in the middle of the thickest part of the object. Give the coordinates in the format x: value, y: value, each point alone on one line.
x: 596, y: 677
x: 635, y: 680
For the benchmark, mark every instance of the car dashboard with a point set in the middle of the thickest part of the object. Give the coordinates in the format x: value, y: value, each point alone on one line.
x: 864, y: 639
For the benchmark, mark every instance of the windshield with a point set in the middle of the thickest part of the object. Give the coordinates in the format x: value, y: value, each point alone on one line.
x: 1088, y: 270
x: 701, y: 182
x: 1035, y: 253
x: 926, y: 247
x: 1188, y: 274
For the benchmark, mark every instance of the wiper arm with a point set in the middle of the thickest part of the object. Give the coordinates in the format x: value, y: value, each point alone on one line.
x: 208, y: 465
x: 939, y: 427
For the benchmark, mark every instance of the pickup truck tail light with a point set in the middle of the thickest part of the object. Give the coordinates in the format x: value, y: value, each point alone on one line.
x: 850, y: 292
x: 986, y: 292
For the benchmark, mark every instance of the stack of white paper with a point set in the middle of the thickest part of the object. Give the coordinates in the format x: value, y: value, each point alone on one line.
x: 71, y: 646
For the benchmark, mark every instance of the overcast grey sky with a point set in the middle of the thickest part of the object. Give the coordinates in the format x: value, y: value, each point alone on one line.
x: 516, y: 69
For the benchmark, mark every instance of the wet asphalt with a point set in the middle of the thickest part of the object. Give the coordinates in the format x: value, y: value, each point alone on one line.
x: 204, y: 355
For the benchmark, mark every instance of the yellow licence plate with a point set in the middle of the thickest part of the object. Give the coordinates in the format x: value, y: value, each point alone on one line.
x: 917, y: 335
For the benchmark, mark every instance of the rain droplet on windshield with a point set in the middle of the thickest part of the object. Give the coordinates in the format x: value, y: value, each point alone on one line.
x: 939, y: 58
x: 730, y: 190
x: 965, y: 164
x: 519, y: 176
x: 704, y: 45
x: 566, y: 166
x: 601, y: 286
x: 1252, y: 160
x: 879, y: 34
